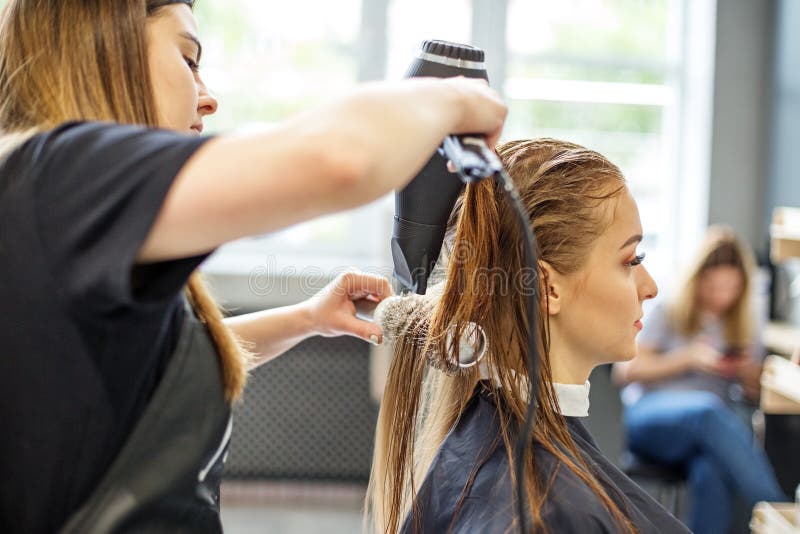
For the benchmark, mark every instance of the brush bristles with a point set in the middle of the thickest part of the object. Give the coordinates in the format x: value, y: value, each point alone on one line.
x: 395, y: 314
x: 406, y: 316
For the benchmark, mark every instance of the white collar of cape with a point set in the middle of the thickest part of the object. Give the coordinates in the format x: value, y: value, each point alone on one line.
x: 573, y: 399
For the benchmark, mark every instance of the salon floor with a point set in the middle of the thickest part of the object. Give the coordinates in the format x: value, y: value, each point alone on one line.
x: 292, y: 508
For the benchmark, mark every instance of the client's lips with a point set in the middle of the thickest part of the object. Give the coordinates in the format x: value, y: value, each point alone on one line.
x: 197, y: 128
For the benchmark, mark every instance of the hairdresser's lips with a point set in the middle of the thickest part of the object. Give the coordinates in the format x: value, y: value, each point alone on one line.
x: 638, y: 324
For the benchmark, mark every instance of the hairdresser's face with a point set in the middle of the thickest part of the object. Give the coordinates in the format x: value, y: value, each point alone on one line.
x: 719, y: 288
x: 182, y: 98
x: 601, y: 304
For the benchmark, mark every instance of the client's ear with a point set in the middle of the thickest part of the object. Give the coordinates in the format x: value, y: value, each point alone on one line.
x: 551, y: 283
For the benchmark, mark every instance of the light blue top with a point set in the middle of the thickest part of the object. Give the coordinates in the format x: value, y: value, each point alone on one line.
x: 658, y: 334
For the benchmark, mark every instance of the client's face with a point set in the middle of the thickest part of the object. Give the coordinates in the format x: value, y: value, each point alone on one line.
x: 601, y: 311
x: 174, y: 50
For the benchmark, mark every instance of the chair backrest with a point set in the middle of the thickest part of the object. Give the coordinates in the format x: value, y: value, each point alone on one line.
x: 605, y: 414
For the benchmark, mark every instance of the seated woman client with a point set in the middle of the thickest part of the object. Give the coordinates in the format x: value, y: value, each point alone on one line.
x: 444, y: 458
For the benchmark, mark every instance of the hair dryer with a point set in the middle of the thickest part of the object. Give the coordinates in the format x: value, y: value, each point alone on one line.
x: 424, y: 205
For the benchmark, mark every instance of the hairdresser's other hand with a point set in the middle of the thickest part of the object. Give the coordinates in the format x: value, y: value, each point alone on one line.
x: 332, y: 310
x: 700, y: 356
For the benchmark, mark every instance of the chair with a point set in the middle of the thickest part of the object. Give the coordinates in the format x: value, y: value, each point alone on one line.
x: 666, y: 480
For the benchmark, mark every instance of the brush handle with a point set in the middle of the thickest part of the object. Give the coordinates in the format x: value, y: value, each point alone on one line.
x: 365, y: 309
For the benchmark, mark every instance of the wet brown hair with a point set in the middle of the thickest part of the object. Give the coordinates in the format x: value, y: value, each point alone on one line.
x: 567, y: 191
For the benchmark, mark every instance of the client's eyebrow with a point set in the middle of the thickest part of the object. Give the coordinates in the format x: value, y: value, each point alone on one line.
x: 193, y: 38
x: 634, y: 239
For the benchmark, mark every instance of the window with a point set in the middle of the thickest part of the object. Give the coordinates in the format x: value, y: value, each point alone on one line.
x: 632, y: 79
x: 605, y: 75
x: 409, y: 22
x: 265, y: 61
x: 619, y: 76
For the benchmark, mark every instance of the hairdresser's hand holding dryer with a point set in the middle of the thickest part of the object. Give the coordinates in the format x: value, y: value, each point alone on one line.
x: 118, y: 371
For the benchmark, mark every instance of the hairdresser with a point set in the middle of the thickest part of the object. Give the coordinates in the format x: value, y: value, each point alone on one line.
x: 118, y: 370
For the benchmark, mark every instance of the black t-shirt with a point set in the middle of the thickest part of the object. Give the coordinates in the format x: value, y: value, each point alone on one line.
x: 84, y: 332
x: 473, y: 454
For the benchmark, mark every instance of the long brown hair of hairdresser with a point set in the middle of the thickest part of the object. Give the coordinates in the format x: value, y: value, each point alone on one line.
x: 444, y: 445
x: 115, y: 391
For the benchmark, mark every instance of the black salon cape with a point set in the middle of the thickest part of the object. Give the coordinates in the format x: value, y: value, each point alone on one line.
x: 474, y: 445
x: 85, y: 333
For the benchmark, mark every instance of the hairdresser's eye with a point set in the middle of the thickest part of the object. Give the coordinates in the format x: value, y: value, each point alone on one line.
x: 637, y: 260
x: 192, y: 64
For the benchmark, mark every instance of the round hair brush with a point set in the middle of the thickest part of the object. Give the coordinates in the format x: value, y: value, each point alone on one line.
x: 399, y: 316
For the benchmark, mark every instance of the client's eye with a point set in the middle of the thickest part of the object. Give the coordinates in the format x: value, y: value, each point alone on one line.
x: 637, y: 260
x: 192, y: 64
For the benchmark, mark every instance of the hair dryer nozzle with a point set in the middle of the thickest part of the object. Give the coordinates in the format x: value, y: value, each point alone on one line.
x: 413, y: 255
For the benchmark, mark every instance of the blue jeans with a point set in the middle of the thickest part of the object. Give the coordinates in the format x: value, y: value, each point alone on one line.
x: 697, y: 430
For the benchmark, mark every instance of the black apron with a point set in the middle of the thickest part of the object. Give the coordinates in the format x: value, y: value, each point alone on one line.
x: 468, y: 486
x: 166, y: 477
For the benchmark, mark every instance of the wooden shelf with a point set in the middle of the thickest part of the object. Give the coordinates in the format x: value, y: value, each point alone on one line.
x: 774, y: 518
x: 780, y: 338
x: 780, y: 386
x: 785, y: 234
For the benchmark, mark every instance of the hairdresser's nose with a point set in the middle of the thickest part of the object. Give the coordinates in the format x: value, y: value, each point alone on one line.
x: 206, y: 103
x: 647, y: 286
